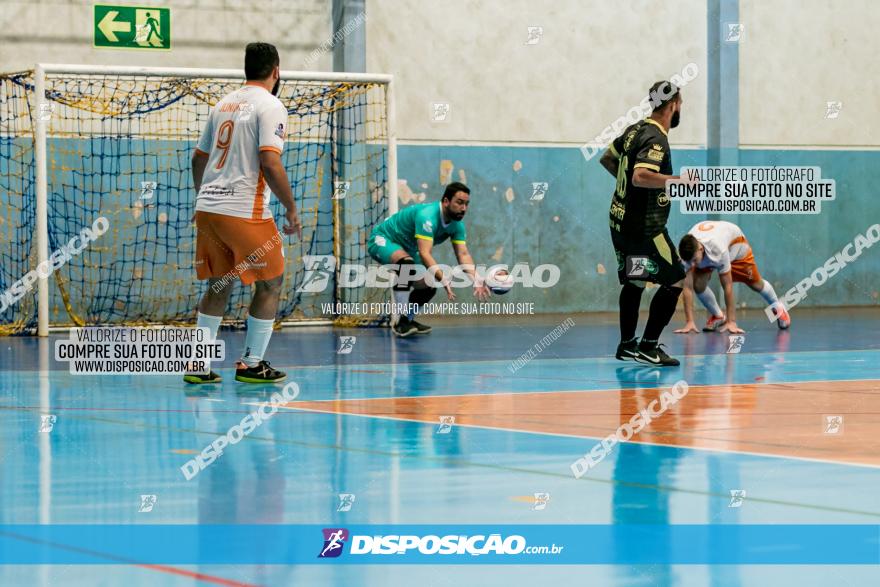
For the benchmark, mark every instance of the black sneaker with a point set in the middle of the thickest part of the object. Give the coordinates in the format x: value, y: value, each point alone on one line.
x: 262, y: 373
x: 653, y: 354
x: 404, y: 327
x: 421, y: 328
x: 200, y: 378
x: 627, y: 351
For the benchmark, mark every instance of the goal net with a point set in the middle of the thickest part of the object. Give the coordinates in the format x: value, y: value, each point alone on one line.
x: 118, y: 143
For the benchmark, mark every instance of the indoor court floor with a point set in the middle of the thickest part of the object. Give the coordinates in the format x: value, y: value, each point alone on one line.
x: 755, y: 441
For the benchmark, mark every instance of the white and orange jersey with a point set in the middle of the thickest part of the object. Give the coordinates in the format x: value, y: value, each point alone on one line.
x: 723, y: 243
x: 242, y: 124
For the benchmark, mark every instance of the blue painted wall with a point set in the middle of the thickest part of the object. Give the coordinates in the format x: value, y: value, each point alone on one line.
x: 569, y: 227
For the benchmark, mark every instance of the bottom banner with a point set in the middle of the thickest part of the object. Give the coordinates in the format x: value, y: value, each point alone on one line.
x: 435, y: 544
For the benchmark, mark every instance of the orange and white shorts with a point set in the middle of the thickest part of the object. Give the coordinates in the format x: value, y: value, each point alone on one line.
x: 228, y: 246
x: 744, y: 269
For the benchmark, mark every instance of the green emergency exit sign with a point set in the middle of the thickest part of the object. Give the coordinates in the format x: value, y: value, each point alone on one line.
x: 132, y: 27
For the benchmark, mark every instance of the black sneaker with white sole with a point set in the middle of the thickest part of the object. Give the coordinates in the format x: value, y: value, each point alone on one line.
x: 627, y: 351
x: 404, y: 327
x: 421, y: 328
x: 653, y: 354
x: 262, y: 373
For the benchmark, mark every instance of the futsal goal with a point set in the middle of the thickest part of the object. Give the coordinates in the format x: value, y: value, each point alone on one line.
x: 83, y: 142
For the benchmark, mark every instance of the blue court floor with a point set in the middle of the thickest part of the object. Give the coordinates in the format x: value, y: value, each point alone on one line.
x: 114, y: 439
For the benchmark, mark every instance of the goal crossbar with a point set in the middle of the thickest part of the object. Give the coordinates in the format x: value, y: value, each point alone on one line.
x: 184, y: 72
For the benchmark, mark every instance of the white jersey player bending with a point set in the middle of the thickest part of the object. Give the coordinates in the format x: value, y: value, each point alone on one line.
x: 721, y: 246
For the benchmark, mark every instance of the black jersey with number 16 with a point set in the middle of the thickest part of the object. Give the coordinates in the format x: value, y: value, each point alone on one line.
x: 640, y: 213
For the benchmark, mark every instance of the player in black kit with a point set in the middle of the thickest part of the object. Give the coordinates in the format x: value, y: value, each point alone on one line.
x: 641, y: 162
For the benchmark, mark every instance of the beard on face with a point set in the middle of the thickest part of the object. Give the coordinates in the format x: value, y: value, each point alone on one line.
x: 276, y: 86
x: 675, y: 119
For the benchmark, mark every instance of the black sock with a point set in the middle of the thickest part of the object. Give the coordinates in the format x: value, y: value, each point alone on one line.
x: 630, y: 297
x: 662, y: 308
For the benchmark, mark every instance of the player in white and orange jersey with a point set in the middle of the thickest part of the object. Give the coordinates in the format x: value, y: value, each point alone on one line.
x: 721, y: 246
x: 236, y: 169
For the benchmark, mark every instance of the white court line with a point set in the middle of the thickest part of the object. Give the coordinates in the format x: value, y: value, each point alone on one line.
x: 599, y: 438
x: 587, y: 360
x: 538, y: 391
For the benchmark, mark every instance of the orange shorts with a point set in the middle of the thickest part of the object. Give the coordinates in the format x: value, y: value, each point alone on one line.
x: 744, y: 270
x: 228, y: 246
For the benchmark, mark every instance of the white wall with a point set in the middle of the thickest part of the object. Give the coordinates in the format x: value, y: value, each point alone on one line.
x: 205, y: 33
x: 796, y: 56
x: 597, y: 58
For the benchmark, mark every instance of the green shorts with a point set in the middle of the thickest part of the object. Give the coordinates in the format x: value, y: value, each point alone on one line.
x: 380, y: 248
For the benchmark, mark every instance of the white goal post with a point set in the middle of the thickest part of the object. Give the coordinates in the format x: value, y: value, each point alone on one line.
x: 44, y: 130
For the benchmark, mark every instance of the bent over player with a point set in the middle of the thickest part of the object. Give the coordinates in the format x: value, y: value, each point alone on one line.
x: 407, y: 239
x: 236, y: 168
x: 641, y: 161
x: 721, y: 246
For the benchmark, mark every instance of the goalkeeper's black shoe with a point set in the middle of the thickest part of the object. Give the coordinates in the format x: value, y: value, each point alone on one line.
x: 421, y: 328
x: 262, y: 373
x: 404, y: 327
x: 627, y: 351
x: 653, y: 354
x: 200, y: 378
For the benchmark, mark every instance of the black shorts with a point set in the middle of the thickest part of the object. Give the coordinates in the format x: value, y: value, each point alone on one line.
x: 654, y: 260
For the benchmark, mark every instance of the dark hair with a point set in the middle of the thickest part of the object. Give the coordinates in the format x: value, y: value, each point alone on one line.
x: 687, y: 248
x: 259, y: 60
x: 661, y: 94
x: 451, y: 189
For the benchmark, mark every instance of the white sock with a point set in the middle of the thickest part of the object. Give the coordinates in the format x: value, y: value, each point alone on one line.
x: 258, y: 334
x: 212, y: 323
x: 768, y: 293
x: 401, y: 299
x: 707, y: 298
